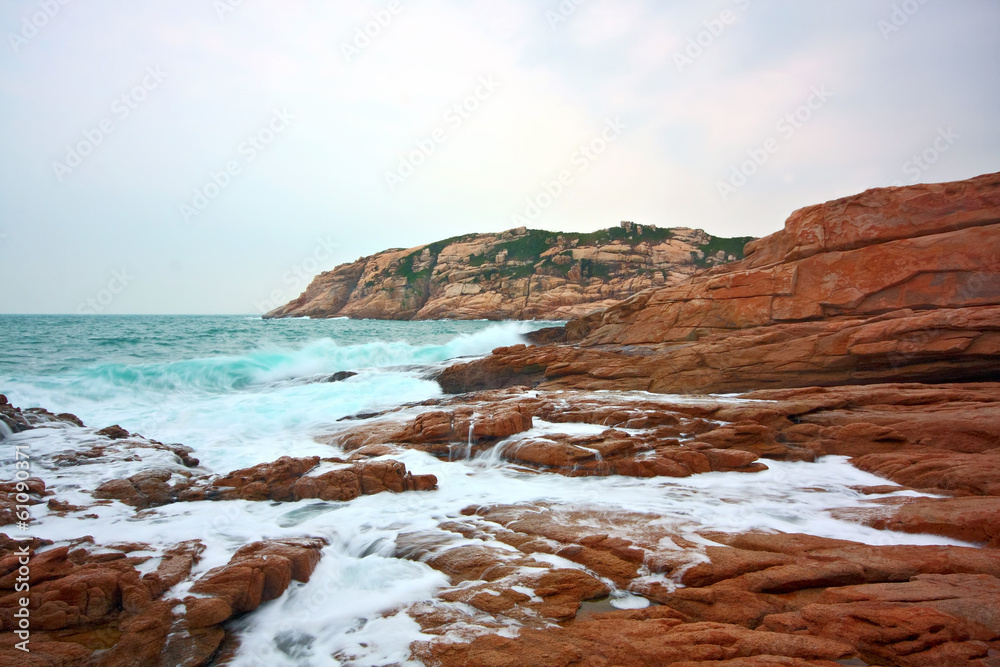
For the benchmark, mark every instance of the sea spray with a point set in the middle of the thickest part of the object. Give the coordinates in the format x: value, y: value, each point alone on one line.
x: 221, y: 384
x: 242, y: 392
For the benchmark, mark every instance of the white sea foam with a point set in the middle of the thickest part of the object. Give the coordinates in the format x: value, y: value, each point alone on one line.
x: 339, y: 610
x: 241, y: 409
x: 225, y: 405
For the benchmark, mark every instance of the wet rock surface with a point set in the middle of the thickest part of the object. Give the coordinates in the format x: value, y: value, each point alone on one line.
x: 285, y: 480
x: 936, y: 438
x: 767, y: 598
x: 855, y: 292
x: 91, y: 606
x: 632, y: 438
x: 12, y: 418
x: 522, y: 578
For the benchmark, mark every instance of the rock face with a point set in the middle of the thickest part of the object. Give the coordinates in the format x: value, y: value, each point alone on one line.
x: 717, y: 598
x: 518, y: 274
x: 723, y: 599
x: 895, y: 284
x: 93, y: 607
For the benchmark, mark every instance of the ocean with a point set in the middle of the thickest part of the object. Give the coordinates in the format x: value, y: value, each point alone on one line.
x: 224, y: 384
x: 242, y: 391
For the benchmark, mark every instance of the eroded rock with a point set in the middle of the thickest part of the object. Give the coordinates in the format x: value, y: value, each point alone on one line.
x: 285, y: 480
x: 91, y: 606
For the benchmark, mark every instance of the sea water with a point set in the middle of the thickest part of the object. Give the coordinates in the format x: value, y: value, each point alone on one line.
x: 241, y: 391
x: 228, y: 385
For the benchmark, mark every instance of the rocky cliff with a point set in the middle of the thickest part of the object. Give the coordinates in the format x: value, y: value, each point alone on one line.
x: 894, y: 284
x: 518, y: 274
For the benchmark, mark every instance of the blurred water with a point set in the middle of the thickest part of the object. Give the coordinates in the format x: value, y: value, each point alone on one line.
x: 241, y: 391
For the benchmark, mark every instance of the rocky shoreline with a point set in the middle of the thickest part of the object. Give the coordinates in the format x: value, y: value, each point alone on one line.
x: 892, y: 285
x: 866, y: 335
x: 718, y: 598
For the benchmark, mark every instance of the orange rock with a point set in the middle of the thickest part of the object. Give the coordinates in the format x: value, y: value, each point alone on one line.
x: 150, y: 488
x: 82, y: 602
x: 207, y: 611
x: 12, y: 417
x: 95, y: 608
x: 260, y: 572
x: 9, y: 492
x: 880, y: 215
x: 649, y: 453
x: 972, y: 519
x: 175, y: 566
x: 903, y: 634
x: 868, y: 295
x: 622, y: 639
x: 267, y: 481
x: 284, y: 480
x: 926, y: 468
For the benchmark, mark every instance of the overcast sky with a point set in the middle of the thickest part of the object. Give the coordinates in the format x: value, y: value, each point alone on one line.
x: 191, y: 156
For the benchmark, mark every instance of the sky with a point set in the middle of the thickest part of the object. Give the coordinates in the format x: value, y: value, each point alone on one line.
x: 211, y: 156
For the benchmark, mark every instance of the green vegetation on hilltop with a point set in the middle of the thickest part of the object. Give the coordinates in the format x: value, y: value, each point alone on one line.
x: 592, y: 269
x: 634, y: 236
x: 731, y: 246
x: 528, y: 247
x: 524, y: 252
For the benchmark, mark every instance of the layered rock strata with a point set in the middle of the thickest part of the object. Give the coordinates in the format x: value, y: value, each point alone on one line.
x: 894, y: 284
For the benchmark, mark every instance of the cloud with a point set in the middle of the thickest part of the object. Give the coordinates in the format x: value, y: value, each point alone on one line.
x: 356, y: 117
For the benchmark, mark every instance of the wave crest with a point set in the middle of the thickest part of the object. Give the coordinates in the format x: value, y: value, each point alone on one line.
x: 319, y: 357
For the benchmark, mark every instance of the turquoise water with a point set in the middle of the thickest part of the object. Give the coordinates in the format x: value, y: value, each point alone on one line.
x: 220, y: 383
x: 241, y: 391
